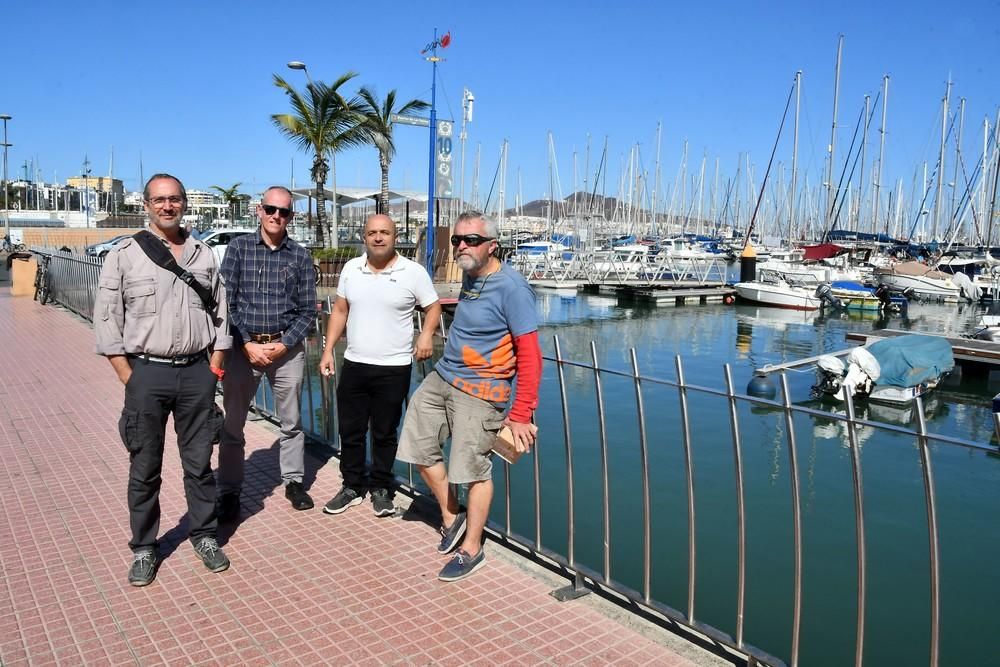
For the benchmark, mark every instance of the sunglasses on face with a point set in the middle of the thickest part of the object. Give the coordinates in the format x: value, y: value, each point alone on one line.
x: 270, y: 210
x: 471, y: 240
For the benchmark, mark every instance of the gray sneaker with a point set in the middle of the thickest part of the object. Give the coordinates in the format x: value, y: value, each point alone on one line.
x: 452, y: 535
x: 382, y: 502
x: 143, y: 568
x: 346, y: 497
x: 211, y: 555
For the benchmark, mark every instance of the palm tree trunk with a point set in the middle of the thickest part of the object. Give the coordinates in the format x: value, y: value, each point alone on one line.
x: 333, y: 238
x: 319, y: 178
x: 384, y: 194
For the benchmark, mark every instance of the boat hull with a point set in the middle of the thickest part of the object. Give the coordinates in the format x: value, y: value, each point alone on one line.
x: 776, y: 296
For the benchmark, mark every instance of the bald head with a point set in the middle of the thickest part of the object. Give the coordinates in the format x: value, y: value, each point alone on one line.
x: 380, y: 240
x: 381, y: 221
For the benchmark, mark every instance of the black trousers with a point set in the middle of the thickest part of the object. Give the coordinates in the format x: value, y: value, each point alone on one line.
x: 153, y: 392
x: 370, y: 394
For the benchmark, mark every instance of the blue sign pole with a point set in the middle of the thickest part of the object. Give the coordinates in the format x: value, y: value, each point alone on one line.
x: 430, y: 162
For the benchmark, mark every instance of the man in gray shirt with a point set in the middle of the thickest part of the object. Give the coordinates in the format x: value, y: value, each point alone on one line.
x: 167, y: 348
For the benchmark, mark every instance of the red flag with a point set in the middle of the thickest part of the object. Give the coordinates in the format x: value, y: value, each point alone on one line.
x: 446, y: 40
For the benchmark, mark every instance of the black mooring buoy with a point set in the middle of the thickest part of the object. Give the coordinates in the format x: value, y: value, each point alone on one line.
x: 761, y: 386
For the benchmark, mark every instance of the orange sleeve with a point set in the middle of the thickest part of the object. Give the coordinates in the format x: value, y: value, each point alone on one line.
x: 529, y: 376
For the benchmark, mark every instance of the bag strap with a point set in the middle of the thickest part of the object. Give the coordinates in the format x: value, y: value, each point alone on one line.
x: 159, y: 255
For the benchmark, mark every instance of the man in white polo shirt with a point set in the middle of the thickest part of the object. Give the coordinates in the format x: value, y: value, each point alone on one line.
x: 376, y: 297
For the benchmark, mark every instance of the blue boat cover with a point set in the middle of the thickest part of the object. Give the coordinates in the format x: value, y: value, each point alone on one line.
x: 907, y: 361
x: 852, y: 285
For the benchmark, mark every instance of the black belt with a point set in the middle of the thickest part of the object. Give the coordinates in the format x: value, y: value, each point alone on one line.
x: 180, y: 360
x: 266, y: 337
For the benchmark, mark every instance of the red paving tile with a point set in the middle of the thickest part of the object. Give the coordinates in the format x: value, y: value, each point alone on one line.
x: 304, y: 588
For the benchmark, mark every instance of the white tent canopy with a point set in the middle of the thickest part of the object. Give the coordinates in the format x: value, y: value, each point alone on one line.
x: 347, y: 196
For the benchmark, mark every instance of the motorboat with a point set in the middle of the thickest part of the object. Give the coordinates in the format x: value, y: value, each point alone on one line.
x: 919, y: 280
x: 894, y: 371
x: 773, y: 288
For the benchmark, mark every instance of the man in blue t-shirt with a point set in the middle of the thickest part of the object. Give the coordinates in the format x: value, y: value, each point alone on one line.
x: 492, y: 341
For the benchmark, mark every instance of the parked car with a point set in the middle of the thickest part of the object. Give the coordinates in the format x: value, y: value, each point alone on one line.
x: 99, y: 250
x: 218, y: 240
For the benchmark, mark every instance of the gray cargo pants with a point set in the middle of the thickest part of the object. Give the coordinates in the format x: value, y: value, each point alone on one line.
x: 239, y: 386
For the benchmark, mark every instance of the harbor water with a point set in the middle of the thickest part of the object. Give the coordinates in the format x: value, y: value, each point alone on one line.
x: 707, y: 337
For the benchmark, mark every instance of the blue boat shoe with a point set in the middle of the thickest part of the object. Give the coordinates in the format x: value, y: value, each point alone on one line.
x: 462, y: 565
x: 451, y: 536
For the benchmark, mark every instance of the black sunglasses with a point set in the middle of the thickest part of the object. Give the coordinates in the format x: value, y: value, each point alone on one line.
x: 471, y: 240
x: 283, y: 212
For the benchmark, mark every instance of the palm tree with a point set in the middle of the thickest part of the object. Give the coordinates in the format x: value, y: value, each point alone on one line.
x: 231, y: 196
x: 378, y: 131
x: 323, y: 122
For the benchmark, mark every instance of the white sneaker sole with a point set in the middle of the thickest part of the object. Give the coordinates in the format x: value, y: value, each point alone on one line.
x: 356, y: 501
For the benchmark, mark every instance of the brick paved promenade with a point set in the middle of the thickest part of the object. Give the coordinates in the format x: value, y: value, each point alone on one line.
x: 304, y: 588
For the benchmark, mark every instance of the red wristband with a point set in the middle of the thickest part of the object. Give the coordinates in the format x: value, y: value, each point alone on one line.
x: 219, y: 373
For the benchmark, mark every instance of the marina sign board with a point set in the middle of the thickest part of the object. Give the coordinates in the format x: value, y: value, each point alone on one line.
x: 444, y: 178
x: 410, y: 120
x: 443, y: 145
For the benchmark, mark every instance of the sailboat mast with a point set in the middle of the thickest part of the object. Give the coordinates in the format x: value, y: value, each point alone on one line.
x: 830, y: 201
x: 795, y: 159
x: 656, y: 179
x: 940, y: 165
x: 881, y: 154
x: 864, y: 155
x: 958, y: 159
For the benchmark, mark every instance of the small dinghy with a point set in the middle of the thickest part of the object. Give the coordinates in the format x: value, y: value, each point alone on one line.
x: 892, y: 370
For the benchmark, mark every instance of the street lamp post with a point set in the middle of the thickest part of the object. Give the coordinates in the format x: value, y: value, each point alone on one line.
x: 6, y: 193
x: 334, y: 233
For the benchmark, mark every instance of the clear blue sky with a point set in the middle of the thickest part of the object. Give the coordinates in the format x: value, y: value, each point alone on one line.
x: 189, y: 83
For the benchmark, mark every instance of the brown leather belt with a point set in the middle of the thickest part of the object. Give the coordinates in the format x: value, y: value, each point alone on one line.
x: 266, y: 337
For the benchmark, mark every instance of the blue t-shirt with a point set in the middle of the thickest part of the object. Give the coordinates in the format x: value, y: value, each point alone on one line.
x: 479, y: 355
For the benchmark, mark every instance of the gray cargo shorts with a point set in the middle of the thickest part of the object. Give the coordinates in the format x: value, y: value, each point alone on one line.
x: 438, y: 410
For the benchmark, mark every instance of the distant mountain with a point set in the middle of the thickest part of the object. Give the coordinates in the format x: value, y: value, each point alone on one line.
x: 586, y: 204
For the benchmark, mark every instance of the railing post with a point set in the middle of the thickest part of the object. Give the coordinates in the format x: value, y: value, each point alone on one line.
x: 741, y: 541
x: 605, y: 487
x: 647, y: 541
x: 689, y: 475
x: 932, y: 531
x: 793, y: 473
x: 859, y: 525
x: 577, y: 588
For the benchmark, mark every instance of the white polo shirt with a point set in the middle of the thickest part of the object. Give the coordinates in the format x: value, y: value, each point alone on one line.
x: 380, y: 321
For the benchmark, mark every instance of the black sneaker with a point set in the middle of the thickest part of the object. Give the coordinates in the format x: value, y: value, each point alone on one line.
x: 382, y: 502
x: 462, y: 565
x: 451, y: 536
x: 300, y: 500
x: 143, y: 568
x: 227, y: 507
x: 346, y: 497
x: 211, y: 555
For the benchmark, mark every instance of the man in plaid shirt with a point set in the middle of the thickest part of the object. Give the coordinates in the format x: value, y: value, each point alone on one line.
x: 272, y: 305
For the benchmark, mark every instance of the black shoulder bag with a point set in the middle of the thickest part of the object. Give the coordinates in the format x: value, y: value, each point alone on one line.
x: 159, y: 255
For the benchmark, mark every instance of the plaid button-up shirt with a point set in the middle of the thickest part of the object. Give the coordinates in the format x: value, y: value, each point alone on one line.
x: 269, y: 290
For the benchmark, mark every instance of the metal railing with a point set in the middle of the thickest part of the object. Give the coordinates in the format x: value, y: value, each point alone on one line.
x: 72, y: 280
x: 782, y: 410
x: 74, y: 284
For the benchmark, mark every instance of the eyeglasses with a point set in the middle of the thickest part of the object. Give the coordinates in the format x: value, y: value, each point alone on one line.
x: 162, y: 201
x: 282, y: 211
x: 471, y: 240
